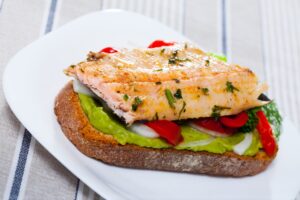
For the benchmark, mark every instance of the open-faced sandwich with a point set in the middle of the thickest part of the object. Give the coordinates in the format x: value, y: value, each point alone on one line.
x: 170, y: 107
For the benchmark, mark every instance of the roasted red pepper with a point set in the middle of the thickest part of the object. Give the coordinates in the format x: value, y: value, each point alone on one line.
x: 214, y: 125
x: 235, y: 121
x: 108, y: 50
x: 168, y: 130
x: 266, y: 134
x: 160, y: 43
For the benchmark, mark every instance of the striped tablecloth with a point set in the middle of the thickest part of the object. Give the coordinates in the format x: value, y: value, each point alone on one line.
x: 262, y: 34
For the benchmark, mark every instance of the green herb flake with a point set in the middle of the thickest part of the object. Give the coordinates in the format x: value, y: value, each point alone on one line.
x: 125, y: 97
x: 136, y: 103
x: 185, y: 46
x: 172, y: 61
x: 155, y: 116
x: 158, y: 83
x: 178, y: 94
x: 175, y: 53
x: 216, y: 111
x: 162, y: 51
x: 72, y: 66
x: 170, y: 98
x: 230, y: 87
x: 182, y: 109
x: 207, y: 63
x: 176, y: 80
x: 205, y: 91
x: 158, y: 70
x: 175, y: 60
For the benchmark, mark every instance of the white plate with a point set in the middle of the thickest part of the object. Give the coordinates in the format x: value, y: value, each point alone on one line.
x: 34, y: 77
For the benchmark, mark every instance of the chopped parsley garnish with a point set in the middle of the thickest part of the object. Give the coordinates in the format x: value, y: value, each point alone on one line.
x: 155, y: 116
x: 158, y: 83
x: 162, y: 51
x: 176, y: 80
x: 175, y: 53
x: 207, y: 63
x: 205, y: 91
x: 170, y: 98
x: 182, y: 109
x: 175, y: 60
x: 158, y: 70
x: 230, y: 87
x: 216, y: 111
x: 172, y: 61
x: 125, y: 97
x: 136, y: 103
x: 178, y: 94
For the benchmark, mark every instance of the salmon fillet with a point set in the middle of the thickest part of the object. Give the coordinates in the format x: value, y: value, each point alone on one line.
x: 172, y: 83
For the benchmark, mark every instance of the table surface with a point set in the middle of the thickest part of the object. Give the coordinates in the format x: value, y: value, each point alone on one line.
x: 261, y: 34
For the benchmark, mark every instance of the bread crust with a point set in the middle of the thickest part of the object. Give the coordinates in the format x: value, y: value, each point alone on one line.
x: 104, y: 147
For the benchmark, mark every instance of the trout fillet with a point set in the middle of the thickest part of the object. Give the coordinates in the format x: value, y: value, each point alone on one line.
x: 173, y: 83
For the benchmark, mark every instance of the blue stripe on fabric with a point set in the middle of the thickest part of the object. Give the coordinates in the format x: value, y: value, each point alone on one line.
x: 1, y: 5
x: 22, y: 159
x: 77, y: 187
x: 51, y: 14
x: 224, y: 27
x: 14, y: 192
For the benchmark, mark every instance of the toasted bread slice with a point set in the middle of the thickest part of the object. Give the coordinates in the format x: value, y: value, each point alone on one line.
x: 104, y: 147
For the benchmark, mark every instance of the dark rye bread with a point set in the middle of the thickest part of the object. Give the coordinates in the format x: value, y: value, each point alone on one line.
x: 95, y: 144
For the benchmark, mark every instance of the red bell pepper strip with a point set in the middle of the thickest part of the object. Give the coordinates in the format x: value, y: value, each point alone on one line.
x: 214, y: 125
x: 266, y: 134
x: 160, y: 43
x: 235, y: 121
x: 168, y: 130
x: 108, y: 50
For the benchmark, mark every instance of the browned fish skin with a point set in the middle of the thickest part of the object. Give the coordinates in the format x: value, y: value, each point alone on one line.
x: 135, y: 83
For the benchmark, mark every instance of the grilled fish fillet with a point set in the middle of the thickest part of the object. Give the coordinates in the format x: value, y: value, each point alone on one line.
x: 172, y: 83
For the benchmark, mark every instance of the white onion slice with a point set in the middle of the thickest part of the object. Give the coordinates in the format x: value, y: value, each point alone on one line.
x: 241, y: 147
x: 210, y: 132
x: 143, y: 130
x: 198, y: 143
x: 78, y: 87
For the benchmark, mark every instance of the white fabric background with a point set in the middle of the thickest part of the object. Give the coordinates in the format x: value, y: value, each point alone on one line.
x: 261, y: 34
